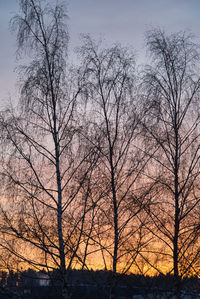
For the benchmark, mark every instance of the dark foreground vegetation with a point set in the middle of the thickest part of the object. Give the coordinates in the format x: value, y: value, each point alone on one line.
x: 93, y: 285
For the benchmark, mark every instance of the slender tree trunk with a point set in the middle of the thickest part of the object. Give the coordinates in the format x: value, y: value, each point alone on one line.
x: 176, y: 197
x: 176, y: 233
x: 115, y: 253
x: 177, y: 211
x: 115, y: 228
x: 59, y: 206
x: 175, y: 249
x: 60, y: 235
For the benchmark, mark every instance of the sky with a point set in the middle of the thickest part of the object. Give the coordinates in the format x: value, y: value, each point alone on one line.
x: 123, y: 21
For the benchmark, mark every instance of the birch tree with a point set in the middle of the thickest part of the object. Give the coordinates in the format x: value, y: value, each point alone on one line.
x: 44, y: 164
x: 113, y: 115
x: 172, y: 128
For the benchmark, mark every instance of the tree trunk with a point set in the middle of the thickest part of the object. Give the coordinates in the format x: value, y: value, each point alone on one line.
x: 115, y: 253
x: 177, y: 211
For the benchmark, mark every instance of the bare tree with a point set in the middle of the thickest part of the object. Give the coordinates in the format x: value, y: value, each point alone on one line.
x: 45, y: 166
x: 114, y: 115
x: 172, y: 130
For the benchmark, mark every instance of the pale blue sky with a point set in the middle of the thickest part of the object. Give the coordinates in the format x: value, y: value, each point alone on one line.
x: 123, y: 21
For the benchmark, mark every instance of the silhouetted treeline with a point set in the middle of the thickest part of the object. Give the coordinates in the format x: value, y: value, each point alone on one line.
x: 92, y: 284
